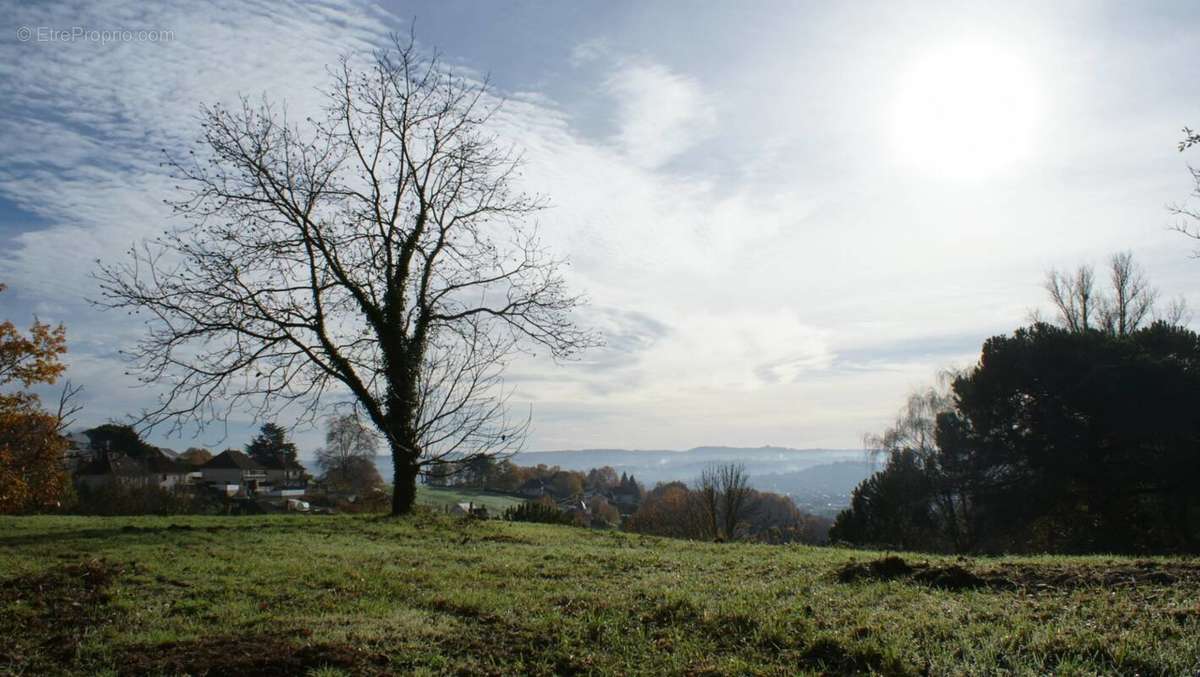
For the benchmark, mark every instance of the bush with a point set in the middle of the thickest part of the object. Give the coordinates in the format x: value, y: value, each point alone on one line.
x: 538, y: 512
x: 126, y: 499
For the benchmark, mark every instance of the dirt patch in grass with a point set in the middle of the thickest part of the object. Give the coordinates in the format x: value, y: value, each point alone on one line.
x: 233, y: 656
x: 1009, y: 576
x: 46, y: 615
x: 885, y: 569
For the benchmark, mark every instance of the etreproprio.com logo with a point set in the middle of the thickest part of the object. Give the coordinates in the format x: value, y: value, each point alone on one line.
x: 84, y: 34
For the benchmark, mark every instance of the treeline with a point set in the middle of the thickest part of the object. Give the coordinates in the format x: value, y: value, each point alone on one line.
x: 721, y: 506
x: 488, y: 473
x: 1082, y: 437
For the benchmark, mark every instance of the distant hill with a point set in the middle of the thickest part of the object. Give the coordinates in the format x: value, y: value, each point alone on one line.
x: 651, y: 466
x: 822, y: 489
x: 818, y: 480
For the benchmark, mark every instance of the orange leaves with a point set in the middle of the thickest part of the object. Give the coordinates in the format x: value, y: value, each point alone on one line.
x: 32, y: 475
x: 34, y: 358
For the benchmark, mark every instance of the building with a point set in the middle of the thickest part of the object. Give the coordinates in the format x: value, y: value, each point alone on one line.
x: 80, y: 452
x: 469, y: 510
x: 532, y: 488
x: 284, y: 473
x: 233, y: 472
x: 155, y: 469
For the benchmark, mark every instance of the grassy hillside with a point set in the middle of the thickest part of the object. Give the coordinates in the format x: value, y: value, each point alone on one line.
x: 329, y: 595
x: 437, y: 497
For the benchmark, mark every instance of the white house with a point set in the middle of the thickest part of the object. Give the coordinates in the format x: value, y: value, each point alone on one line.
x: 234, y: 472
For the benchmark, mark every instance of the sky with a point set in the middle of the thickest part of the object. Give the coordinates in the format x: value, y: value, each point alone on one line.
x: 785, y: 215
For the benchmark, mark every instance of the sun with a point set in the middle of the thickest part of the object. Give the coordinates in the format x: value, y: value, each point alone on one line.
x: 966, y: 111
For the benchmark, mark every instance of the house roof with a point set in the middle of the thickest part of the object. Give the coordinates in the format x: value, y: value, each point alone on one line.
x: 231, y: 459
x: 161, y: 464
x: 122, y: 465
x: 112, y: 464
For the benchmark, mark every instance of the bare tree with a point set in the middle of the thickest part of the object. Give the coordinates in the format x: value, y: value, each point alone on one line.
x: 1176, y: 312
x: 705, y: 504
x: 721, y: 497
x: 1128, y: 304
x: 346, y: 438
x: 68, y: 406
x: 915, y: 430
x: 348, y: 457
x: 1132, y: 299
x: 915, y: 426
x: 734, y: 485
x: 1073, y: 296
x: 1189, y: 216
x: 379, y: 254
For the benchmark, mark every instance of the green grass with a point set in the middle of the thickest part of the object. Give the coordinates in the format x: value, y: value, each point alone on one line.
x: 437, y: 497
x: 338, y: 595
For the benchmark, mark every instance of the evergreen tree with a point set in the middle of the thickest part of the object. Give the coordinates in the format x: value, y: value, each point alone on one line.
x: 271, y: 447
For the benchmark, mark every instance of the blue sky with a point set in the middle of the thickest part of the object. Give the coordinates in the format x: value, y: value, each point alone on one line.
x: 786, y: 214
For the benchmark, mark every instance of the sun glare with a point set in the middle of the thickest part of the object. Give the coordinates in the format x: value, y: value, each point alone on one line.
x: 966, y: 110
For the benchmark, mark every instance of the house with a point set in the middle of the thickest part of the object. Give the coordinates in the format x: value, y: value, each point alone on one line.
x: 233, y: 472
x: 532, y: 488
x: 107, y: 468
x: 285, y: 474
x: 469, y: 510
x: 80, y: 452
x: 626, y: 496
x: 574, y: 506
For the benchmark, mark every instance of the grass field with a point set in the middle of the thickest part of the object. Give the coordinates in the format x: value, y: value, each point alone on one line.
x: 437, y: 497
x: 333, y: 595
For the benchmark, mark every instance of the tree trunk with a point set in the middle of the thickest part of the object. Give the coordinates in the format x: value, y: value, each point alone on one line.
x: 404, y: 483
x: 402, y: 403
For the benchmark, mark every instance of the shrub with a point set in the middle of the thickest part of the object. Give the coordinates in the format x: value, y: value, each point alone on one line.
x: 538, y: 512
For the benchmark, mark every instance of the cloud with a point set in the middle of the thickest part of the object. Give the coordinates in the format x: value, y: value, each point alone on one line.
x: 660, y: 114
x: 761, y: 272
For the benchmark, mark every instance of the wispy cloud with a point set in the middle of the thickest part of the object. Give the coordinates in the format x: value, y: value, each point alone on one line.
x: 660, y: 113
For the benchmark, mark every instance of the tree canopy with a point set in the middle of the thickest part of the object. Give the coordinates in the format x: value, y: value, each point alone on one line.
x: 32, y: 475
x: 270, y: 447
x: 1058, y: 440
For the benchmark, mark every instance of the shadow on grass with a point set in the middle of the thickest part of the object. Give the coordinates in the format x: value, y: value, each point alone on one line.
x: 113, y: 533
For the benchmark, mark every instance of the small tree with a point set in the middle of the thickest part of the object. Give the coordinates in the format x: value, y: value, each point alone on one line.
x: 668, y: 510
x: 721, y: 498
x: 348, y: 457
x: 603, y: 512
x: 32, y: 473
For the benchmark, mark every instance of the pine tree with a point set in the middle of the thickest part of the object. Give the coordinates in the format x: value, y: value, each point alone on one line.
x: 271, y: 447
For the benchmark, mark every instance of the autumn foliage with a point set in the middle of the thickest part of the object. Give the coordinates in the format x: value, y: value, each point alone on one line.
x: 32, y: 476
